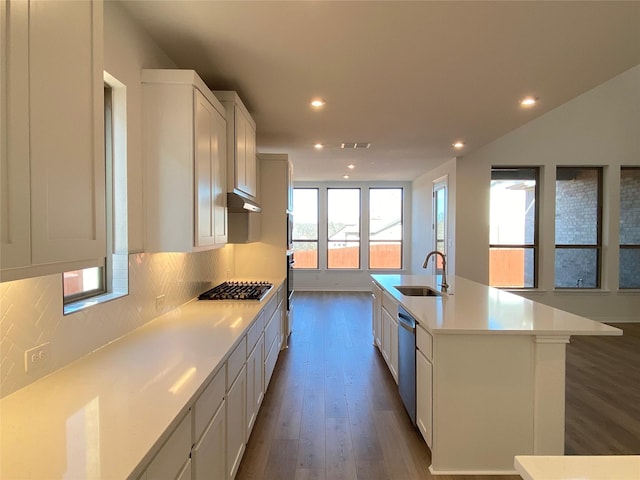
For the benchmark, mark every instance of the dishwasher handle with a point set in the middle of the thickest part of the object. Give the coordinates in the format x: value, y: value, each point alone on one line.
x: 405, y: 320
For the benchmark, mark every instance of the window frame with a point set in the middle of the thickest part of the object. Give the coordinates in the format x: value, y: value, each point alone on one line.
x: 400, y: 241
x: 535, y: 246
x: 346, y: 241
x: 584, y: 246
x: 322, y: 187
x: 294, y: 240
x: 115, y: 264
x: 626, y: 246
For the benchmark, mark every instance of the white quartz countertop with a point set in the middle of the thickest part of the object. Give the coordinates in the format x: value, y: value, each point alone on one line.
x: 99, y: 417
x: 471, y: 307
x: 605, y: 467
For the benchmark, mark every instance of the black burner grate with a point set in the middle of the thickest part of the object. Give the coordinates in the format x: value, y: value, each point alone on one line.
x: 237, y: 291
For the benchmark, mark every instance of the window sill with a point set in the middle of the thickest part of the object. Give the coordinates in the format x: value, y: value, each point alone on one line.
x: 581, y: 291
x: 90, y: 302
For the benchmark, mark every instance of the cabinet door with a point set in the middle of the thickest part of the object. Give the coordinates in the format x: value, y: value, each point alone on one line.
x: 393, y: 348
x: 376, y: 315
x: 251, y: 167
x: 241, y: 125
x: 254, y: 384
x: 386, y: 336
x: 66, y: 129
x: 424, y: 397
x: 174, y: 454
x: 204, y: 127
x: 209, y: 455
x: 236, y: 422
x: 219, y: 147
x: 15, y: 230
x: 186, y: 472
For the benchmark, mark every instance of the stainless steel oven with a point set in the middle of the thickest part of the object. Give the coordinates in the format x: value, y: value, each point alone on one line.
x: 290, y: 264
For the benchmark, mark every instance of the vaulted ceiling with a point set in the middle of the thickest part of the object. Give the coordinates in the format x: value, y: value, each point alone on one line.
x: 411, y: 78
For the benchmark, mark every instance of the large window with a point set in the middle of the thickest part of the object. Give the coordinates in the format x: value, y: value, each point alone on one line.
x: 513, y: 241
x: 351, y: 227
x: 385, y: 228
x: 305, y: 227
x: 629, y: 227
x: 578, y: 227
x: 343, y: 228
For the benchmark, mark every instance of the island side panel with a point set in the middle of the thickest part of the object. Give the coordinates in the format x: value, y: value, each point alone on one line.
x: 484, y: 388
x: 550, y: 375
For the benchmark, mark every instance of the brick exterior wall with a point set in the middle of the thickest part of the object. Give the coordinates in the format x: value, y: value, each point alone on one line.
x: 576, y: 224
x: 629, y: 228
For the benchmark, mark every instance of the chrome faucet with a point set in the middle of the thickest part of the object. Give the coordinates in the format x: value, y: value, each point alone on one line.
x: 444, y: 284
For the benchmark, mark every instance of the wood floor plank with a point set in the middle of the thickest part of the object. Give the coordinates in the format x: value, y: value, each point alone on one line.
x: 340, y: 463
x: 333, y: 410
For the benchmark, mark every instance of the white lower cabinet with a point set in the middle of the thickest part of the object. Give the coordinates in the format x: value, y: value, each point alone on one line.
x: 236, y: 422
x: 424, y: 397
x: 376, y: 327
x: 255, y: 383
x: 390, y: 342
x: 208, y: 444
x: 172, y: 458
x: 209, y: 454
x: 186, y: 472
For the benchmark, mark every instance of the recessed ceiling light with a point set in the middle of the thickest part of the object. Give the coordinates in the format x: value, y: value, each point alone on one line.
x: 458, y: 145
x: 346, y: 177
x: 318, y: 146
x: 528, y: 101
x: 351, y: 167
x: 318, y: 103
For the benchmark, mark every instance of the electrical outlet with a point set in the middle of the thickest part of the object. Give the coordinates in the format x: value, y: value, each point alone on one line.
x: 159, y: 303
x: 37, y: 358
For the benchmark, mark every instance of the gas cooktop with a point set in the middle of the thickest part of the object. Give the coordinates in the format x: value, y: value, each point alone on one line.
x: 237, y: 291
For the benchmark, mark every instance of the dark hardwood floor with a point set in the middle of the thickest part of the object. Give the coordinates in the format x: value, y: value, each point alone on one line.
x: 332, y: 410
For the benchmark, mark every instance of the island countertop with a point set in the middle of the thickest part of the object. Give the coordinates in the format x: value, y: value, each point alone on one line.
x: 471, y: 307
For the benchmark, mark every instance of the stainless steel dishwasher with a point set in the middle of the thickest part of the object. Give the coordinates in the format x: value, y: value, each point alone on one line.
x: 407, y: 361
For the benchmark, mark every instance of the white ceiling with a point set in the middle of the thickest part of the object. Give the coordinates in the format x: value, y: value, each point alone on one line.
x: 408, y: 77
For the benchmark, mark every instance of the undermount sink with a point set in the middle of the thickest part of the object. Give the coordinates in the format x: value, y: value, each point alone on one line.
x: 418, y: 291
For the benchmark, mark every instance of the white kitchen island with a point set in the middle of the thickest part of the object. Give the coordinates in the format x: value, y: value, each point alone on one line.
x: 497, y: 368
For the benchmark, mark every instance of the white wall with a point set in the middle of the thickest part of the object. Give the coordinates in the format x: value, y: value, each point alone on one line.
x: 31, y: 310
x: 600, y: 128
x: 423, y: 241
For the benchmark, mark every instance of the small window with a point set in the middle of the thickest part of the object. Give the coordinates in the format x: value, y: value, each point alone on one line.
x: 629, y: 227
x: 578, y: 227
x: 343, y: 228
x: 305, y: 227
x: 80, y: 284
x: 82, y: 288
x: 513, y: 238
x: 385, y: 228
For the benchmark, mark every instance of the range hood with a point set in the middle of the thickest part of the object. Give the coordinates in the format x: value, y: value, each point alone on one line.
x: 240, y: 204
x: 244, y: 219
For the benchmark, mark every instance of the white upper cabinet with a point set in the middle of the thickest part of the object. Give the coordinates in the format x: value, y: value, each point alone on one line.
x: 52, y: 154
x: 242, y: 174
x: 185, y: 161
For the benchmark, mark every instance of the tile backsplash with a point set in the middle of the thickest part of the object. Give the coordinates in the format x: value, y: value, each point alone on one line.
x: 31, y: 310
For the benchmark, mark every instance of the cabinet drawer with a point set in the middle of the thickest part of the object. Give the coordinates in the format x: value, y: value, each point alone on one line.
x: 272, y: 330
x: 270, y: 364
x: 236, y: 361
x: 254, y: 333
x: 280, y: 295
x: 208, y: 402
x: 173, y: 455
x: 270, y: 308
x: 389, y: 304
x: 424, y: 342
